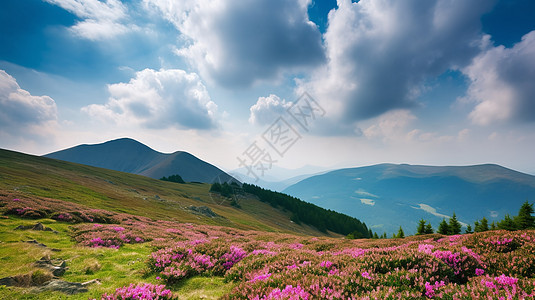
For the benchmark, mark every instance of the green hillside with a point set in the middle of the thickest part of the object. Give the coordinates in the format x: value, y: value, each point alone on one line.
x: 138, y: 195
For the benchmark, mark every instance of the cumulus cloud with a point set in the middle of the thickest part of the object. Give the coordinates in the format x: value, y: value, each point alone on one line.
x: 237, y: 43
x: 100, y: 19
x: 158, y: 99
x: 502, y: 83
x: 381, y: 52
x: 267, y: 110
x: 22, y: 113
x: 390, y: 125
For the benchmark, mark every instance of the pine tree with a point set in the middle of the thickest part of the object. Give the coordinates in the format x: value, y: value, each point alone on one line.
x: 454, y: 225
x: 507, y: 223
x: 428, y: 229
x: 443, y: 227
x: 482, y: 225
x: 400, y: 234
x: 375, y: 236
x: 493, y: 226
x: 468, y: 229
x: 525, y: 220
x: 421, y: 227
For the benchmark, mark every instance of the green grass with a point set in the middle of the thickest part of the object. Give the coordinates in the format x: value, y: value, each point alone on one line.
x: 27, y: 176
x: 202, y: 288
x: 113, y: 267
x: 134, y: 194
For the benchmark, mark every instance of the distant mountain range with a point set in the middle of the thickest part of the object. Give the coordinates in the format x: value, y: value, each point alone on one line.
x: 386, y: 196
x: 130, y: 156
x: 277, y: 178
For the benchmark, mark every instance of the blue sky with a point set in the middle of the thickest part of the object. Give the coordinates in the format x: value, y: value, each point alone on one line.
x: 438, y: 82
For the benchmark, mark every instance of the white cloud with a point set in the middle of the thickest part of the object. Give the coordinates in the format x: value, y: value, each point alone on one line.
x: 159, y: 99
x: 431, y: 210
x: 390, y: 125
x: 367, y: 201
x: 381, y: 52
x: 267, y: 110
x: 100, y: 19
x: 363, y: 193
x: 502, y: 83
x: 237, y: 43
x: 22, y: 113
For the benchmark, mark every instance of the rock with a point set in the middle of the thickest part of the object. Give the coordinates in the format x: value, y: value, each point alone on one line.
x: 38, y: 226
x: 203, y: 210
x: 22, y: 227
x: 36, y: 243
x: 53, y: 267
x: 66, y: 287
x: 12, y: 281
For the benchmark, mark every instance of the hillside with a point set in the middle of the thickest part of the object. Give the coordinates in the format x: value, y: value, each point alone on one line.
x: 53, y: 249
x: 123, y: 192
x: 130, y: 156
x: 386, y: 196
x: 70, y: 231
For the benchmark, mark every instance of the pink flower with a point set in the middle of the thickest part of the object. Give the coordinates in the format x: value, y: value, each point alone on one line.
x: 289, y: 292
x: 366, y: 275
x: 118, y: 229
x: 261, y: 277
x: 506, y: 280
x: 292, y: 267
x: 430, y: 289
x: 479, y: 272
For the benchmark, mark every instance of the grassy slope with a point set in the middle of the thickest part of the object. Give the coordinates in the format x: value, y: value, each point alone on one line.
x: 120, y: 192
x: 114, y: 268
x: 138, y: 195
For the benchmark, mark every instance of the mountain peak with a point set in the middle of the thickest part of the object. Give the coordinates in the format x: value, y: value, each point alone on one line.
x: 130, y: 156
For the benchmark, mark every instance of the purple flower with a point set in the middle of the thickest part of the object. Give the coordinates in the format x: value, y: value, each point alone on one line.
x: 261, y: 277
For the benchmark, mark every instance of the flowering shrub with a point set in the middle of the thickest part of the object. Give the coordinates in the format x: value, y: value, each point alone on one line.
x: 260, y: 265
x: 144, y: 291
x: 185, y: 259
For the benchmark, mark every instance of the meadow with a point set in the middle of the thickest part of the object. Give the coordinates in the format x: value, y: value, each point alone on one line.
x: 136, y: 256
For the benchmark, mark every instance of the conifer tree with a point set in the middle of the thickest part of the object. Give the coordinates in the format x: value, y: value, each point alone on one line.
x: 454, y: 225
x: 421, y: 227
x: 428, y: 228
x: 400, y: 234
x: 493, y: 226
x: 507, y: 223
x: 482, y: 225
x: 468, y: 229
x: 443, y: 227
x: 525, y: 220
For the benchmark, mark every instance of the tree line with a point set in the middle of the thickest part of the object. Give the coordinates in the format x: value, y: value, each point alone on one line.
x: 523, y: 220
x: 173, y: 178
x: 310, y: 214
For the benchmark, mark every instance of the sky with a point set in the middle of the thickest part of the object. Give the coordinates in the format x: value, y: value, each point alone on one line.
x: 274, y: 84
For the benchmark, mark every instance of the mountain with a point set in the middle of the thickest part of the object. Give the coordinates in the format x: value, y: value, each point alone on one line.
x: 277, y: 178
x: 387, y: 196
x: 55, y: 181
x: 130, y: 156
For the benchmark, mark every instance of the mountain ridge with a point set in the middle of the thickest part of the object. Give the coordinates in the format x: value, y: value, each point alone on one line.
x: 386, y: 196
x: 130, y: 156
